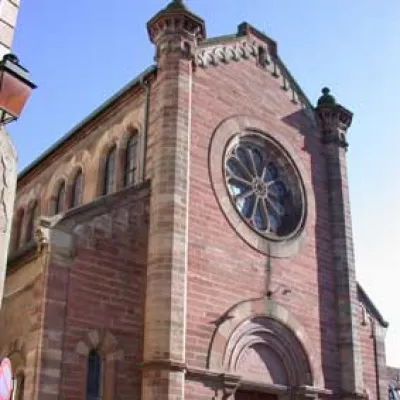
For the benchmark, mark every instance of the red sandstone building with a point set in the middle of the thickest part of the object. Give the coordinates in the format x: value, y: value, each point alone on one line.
x: 193, y: 239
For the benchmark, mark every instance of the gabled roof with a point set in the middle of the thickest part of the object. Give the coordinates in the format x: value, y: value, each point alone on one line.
x: 212, y: 48
x: 242, y: 46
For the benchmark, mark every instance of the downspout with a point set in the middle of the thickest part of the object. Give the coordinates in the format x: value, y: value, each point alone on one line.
x: 145, y: 85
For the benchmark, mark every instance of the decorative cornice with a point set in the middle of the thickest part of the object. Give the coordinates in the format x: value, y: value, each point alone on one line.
x: 224, y: 53
x: 244, y: 48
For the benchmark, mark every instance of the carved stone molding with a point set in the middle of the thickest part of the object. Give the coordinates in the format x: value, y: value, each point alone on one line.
x: 246, y: 318
x: 243, y: 49
x: 104, y: 341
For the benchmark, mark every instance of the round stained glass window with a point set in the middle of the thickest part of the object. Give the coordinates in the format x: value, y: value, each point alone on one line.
x: 264, y: 186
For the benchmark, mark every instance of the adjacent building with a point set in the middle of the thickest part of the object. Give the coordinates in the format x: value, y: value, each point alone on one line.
x: 191, y: 239
x: 8, y: 156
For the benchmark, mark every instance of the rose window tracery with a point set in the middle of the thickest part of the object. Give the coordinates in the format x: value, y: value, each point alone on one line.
x: 264, y: 186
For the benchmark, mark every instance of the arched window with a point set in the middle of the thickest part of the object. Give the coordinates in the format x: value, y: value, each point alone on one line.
x: 109, y: 171
x: 59, y: 199
x: 94, y: 376
x: 30, y: 229
x: 76, y: 190
x: 130, y: 170
x: 19, y: 229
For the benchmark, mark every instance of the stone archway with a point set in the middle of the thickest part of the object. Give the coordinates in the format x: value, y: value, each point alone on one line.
x: 262, y: 344
x: 262, y: 349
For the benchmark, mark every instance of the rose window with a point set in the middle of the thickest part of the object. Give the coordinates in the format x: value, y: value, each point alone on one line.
x: 264, y: 186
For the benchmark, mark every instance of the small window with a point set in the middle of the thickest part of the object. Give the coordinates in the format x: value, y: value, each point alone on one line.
x: 109, y: 172
x: 30, y: 229
x: 76, y: 190
x: 94, y: 376
x: 19, y: 230
x: 59, y: 199
x: 130, y: 172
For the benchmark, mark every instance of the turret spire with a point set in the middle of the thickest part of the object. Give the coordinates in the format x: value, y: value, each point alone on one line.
x: 176, y: 18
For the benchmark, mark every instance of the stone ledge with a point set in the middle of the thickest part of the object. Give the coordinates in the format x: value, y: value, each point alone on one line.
x: 24, y: 254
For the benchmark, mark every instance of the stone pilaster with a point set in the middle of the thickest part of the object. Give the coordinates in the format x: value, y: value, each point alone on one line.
x: 175, y: 32
x: 380, y: 360
x: 334, y: 121
x: 60, y: 250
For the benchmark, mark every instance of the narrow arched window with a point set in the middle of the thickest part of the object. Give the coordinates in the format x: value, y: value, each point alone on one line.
x: 76, y: 189
x: 130, y: 170
x: 59, y: 199
x: 30, y: 229
x: 18, y: 229
x: 94, y: 376
x: 109, y: 171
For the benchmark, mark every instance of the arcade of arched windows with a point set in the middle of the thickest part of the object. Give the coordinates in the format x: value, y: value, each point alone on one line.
x: 118, y: 166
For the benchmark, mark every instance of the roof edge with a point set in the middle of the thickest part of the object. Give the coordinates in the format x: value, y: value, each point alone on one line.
x: 245, y: 30
x: 371, y: 306
x: 107, y: 103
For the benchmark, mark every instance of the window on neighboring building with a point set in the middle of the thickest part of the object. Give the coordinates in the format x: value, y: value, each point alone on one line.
x: 131, y: 156
x: 76, y: 190
x: 94, y: 376
x: 109, y: 171
x: 59, y: 199
x: 19, y: 229
x: 30, y: 229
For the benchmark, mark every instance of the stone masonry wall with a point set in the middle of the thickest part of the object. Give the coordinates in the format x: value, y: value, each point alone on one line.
x: 223, y: 269
x: 8, y: 19
x: 20, y: 318
x: 95, y: 297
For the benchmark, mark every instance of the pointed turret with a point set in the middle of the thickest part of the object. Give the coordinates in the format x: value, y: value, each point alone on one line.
x: 334, y: 120
x: 175, y: 28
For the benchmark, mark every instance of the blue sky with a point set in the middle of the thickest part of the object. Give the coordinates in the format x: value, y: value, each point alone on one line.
x: 81, y: 52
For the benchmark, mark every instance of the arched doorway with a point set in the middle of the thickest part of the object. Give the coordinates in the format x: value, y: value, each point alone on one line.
x: 267, y: 351
x: 263, y: 350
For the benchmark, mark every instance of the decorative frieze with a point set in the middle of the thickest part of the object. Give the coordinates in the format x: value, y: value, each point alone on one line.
x: 224, y: 53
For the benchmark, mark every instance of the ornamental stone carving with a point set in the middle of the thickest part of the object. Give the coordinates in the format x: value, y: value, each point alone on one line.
x: 212, y: 55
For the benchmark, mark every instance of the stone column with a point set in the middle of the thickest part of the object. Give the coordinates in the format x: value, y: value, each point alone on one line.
x: 334, y: 121
x: 175, y: 32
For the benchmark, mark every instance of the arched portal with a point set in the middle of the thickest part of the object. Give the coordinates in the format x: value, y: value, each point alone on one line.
x: 262, y: 349
x: 267, y: 349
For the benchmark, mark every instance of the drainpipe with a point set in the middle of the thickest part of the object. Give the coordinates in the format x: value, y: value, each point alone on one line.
x: 145, y: 85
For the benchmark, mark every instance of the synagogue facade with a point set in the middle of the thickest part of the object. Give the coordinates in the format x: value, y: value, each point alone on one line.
x: 191, y: 239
